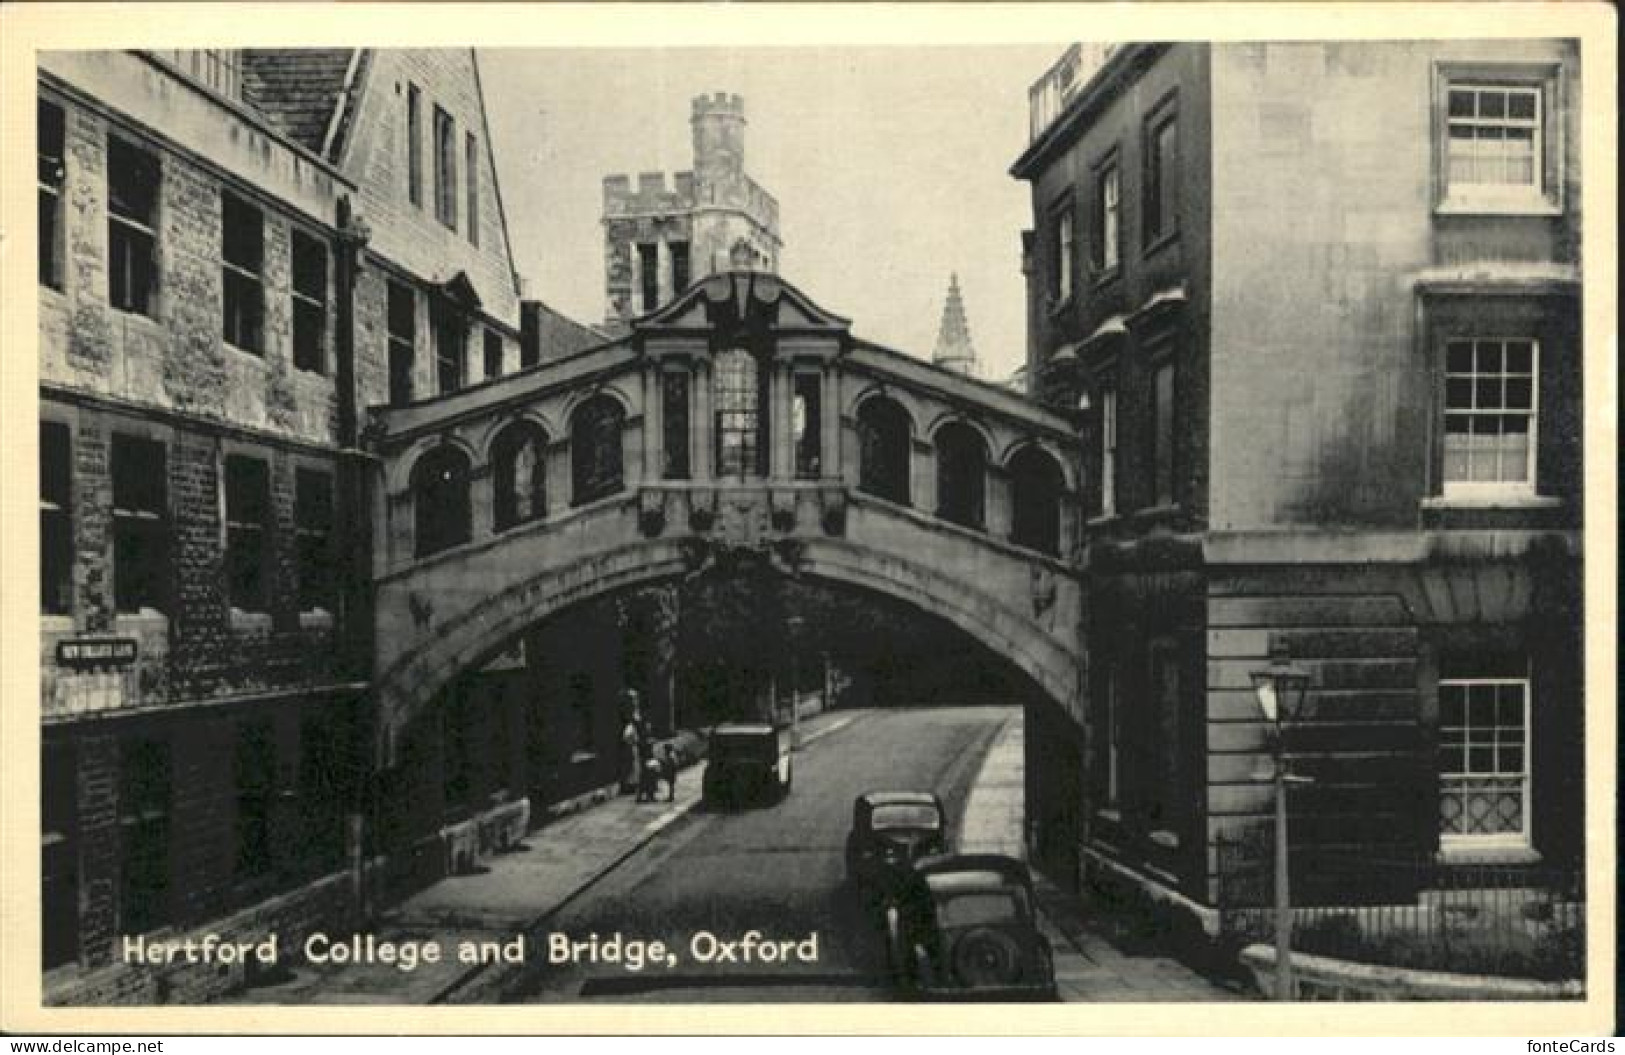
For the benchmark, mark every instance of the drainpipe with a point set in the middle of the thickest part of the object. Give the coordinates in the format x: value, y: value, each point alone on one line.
x: 353, y: 535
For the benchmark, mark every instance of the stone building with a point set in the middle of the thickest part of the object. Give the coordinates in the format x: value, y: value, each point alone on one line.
x: 1317, y: 306
x: 240, y: 252
x: 659, y: 239
x: 954, y: 350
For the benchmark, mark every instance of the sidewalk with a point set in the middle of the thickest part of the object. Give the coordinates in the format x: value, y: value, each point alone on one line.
x: 513, y: 894
x: 1088, y: 967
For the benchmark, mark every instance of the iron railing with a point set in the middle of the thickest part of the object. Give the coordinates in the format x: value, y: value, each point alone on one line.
x: 1410, y: 911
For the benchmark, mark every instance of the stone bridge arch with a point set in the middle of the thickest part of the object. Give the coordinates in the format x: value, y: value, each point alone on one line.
x: 452, y: 631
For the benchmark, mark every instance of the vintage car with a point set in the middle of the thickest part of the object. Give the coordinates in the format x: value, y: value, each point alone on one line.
x: 890, y: 831
x: 747, y: 762
x: 964, y: 927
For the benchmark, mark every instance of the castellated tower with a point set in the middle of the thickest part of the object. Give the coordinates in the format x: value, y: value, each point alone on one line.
x: 659, y: 238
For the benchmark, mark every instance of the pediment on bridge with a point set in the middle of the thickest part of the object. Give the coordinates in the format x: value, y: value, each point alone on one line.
x: 742, y: 302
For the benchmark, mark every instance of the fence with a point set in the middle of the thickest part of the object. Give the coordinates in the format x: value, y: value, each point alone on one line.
x: 1409, y: 911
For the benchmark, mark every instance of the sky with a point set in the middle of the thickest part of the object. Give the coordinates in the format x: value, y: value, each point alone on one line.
x: 890, y: 165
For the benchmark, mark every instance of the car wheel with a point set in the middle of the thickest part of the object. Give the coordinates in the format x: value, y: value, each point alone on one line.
x: 986, y: 957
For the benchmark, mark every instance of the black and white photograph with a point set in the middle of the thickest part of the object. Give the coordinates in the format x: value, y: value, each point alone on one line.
x: 1073, y: 517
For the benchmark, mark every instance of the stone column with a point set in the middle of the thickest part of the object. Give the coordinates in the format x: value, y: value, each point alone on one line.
x: 922, y: 471
x: 481, y: 502
x: 829, y: 454
x: 654, y: 461
x: 559, y: 494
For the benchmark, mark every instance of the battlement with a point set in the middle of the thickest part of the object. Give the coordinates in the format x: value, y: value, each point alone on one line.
x: 652, y: 193
x: 719, y: 104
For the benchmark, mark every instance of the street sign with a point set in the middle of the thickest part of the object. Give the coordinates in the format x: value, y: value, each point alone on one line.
x: 82, y: 652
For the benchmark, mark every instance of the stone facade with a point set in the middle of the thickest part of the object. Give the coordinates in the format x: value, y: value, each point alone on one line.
x: 207, y: 782
x: 1273, y: 267
x: 712, y: 218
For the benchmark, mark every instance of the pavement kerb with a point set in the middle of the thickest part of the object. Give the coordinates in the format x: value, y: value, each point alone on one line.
x: 496, y: 976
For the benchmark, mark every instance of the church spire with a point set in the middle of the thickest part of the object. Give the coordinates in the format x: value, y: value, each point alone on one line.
x: 954, y: 350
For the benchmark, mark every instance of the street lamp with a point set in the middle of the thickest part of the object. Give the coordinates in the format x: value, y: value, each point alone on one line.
x: 794, y: 623
x: 1280, y: 689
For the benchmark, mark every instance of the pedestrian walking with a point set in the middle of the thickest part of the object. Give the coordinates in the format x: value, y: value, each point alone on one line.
x: 632, y: 739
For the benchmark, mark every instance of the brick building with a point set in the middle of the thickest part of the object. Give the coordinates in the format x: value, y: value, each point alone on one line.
x: 659, y: 239
x: 1317, y: 305
x: 240, y: 251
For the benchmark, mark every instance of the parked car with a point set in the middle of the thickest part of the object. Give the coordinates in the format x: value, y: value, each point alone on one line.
x: 890, y: 831
x: 964, y: 927
x: 747, y: 762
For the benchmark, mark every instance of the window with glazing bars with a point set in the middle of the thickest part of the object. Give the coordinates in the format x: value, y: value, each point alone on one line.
x: 739, y: 420
x: 132, y: 226
x: 242, y: 262
x: 313, y: 533
x: 1484, y: 758
x: 55, y: 518
x: 248, y: 524
x: 52, y: 172
x: 1490, y: 402
x: 309, y: 302
x: 140, y: 524
x: 1494, y: 135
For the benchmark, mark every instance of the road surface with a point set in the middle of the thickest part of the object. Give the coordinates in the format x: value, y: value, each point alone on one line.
x: 708, y: 881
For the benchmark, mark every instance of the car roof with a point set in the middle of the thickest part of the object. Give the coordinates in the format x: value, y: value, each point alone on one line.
x: 899, y: 798
x: 960, y: 872
x: 747, y: 728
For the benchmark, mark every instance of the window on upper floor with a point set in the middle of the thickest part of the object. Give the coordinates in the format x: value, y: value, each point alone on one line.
x: 1107, y: 244
x: 680, y: 271
x: 807, y: 431
x: 309, y: 303
x: 445, y: 168
x: 596, y: 464
x: 248, y: 530
x: 218, y: 69
x: 55, y: 518
x: 1484, y: 772
x: 1490, y: 416
x: 52, y: 172
x: 493, y: 354
x: 242, y: 263
x: 1162, y: 434
x: 140, y: 523
x: 1161, y: 197
x: 442, y: 514
x: 1499, y: 146
x: 403, y: 332
x: 471, y: 157
x: 519, y: 472
x: 313, y: 536
x: 414, y: 145
x: 741, y: 426
x: 649, y: 275
x: 450, y: 348
x: 674, y: 423
x: 1064, y: 248
x: 132, y: 226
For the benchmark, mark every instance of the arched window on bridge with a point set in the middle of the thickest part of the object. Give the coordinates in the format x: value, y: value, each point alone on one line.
x: 961, y: 474
x: 883, y: 449
x: 741, y: 425
x: 1035, y: 491
x: 519, y: 475
x: 595, y: 450
x: 440, y: 505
